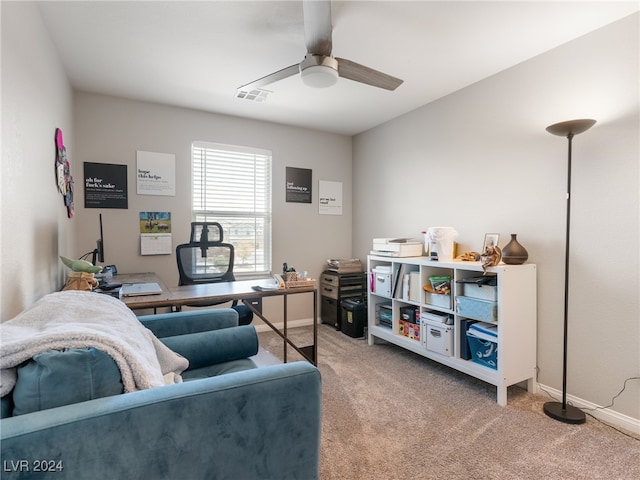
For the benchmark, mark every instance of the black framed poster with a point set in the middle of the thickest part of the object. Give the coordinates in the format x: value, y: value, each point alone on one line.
x: 105, y: 185
x: 298, y: 185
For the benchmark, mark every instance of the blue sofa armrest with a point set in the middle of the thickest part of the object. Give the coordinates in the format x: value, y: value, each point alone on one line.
x: 262, y: 423
x: 192, y: 321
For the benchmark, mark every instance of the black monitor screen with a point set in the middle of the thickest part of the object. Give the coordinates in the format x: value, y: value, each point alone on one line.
x: 98, y: 253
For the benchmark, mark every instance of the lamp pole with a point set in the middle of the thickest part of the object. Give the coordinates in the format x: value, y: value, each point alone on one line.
x: 561, y: 411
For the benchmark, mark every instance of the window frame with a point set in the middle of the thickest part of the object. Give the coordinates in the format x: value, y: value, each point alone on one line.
x: 257, y: 209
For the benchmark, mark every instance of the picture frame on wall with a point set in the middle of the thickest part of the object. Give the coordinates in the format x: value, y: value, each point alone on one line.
x: 490, y: 240
x: 105, y: 185
x: 298, y: 187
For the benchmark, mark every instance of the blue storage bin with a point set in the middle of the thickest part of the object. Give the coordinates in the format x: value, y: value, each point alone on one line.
x: 483, y: 352
x: 477, y: 309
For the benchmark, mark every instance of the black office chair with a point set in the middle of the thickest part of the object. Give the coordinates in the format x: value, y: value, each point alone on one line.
x: 204, y: 260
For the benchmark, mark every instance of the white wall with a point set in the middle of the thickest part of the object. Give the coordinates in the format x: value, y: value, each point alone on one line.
x: 36, y: 99
x: 481, y: 161
x: 111, y: 130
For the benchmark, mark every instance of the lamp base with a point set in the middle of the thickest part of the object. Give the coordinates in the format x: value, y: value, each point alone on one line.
x: 568, y: 414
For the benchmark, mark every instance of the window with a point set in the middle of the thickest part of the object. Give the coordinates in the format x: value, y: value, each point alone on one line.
x: 232, y: 186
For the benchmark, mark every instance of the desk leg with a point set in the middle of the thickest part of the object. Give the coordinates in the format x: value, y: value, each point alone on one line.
x: 309, y: 352
x: 315, y: 327
x: 286, y: 336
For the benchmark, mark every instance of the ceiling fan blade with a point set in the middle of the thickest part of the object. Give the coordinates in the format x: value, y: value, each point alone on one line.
x: 272, y: 78
x: 317, y: 26
x: 360, y: 73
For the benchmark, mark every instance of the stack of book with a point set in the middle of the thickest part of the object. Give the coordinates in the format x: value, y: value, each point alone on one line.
x: 485, y: 331
x: 345, y: 266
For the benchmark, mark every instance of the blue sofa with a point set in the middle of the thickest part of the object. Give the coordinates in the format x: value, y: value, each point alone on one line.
x: 229, y: 419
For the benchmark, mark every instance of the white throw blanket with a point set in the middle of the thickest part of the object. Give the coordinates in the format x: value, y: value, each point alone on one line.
x: 77, y: 319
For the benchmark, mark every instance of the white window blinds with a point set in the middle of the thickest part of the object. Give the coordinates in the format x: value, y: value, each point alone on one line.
x: 232, y: 186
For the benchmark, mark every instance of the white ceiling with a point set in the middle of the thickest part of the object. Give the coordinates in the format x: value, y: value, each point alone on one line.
x: 195, y: 54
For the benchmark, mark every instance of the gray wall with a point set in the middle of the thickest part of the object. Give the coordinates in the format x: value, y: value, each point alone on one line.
x: 111, y: 130
x: 481, y: 161
x: 36, y: 99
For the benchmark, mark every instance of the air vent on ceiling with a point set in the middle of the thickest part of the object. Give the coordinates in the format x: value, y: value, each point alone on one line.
x: 255, y: 95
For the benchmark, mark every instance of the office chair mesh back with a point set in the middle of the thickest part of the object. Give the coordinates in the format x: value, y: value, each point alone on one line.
x: 205, y: 263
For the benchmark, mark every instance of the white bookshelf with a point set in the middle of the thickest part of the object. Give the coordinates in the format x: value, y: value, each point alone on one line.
x: 516, y: 316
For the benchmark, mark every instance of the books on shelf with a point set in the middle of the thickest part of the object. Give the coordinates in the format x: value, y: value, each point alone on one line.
x: 407, y: 284
x: 415, y: 287
x: 484, y: 331
x: 398, y: 277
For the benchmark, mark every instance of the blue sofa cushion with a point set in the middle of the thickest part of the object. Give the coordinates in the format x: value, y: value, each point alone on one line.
x: 209, y: 371
x: 60, y: 377
x: 218, y: 346
x: 192, y: 321
x: 6, y: 406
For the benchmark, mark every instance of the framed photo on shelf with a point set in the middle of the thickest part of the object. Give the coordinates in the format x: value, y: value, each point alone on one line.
x: 490, y: 240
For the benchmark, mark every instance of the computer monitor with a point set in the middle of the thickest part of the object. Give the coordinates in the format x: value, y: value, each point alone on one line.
x: 98, y: 253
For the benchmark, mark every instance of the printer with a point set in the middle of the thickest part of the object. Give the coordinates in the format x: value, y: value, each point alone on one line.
x: 396, y: 247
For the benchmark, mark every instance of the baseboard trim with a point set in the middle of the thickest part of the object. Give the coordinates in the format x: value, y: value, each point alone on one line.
x: 606, y: 415
x: 303, y: 322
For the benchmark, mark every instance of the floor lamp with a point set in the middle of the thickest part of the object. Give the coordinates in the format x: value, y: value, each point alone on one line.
x: 561, y: 411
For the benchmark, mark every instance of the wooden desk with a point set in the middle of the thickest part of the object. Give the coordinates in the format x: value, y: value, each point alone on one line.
x: 223, y: 292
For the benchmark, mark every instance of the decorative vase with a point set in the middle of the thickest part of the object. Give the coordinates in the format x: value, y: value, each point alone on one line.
x: 513, y: 253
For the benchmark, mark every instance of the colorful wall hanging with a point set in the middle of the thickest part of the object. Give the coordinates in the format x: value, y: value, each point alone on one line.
x: 63, y: 173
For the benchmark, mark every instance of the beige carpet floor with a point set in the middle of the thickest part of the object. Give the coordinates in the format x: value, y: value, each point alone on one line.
x: 391, y: 414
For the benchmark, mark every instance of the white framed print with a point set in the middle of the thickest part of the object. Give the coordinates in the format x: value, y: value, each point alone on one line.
x: 156, y: 173
x: 329, y: 198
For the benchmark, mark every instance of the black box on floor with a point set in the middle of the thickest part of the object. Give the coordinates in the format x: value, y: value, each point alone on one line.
x: 354, y: 316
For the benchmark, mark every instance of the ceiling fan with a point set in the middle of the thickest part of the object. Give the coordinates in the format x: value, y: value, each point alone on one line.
x: 319, y: 69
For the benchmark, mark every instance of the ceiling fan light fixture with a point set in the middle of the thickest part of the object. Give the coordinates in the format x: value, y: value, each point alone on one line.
x: 319, y: 76
x: 319, y: 71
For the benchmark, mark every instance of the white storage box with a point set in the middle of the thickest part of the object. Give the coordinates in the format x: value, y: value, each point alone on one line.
x: 437, y: 317
x: 483, y: 292
x: 437, y: 337
x: 484, y: 288
x: 382, y: 281
x: 437, y: 300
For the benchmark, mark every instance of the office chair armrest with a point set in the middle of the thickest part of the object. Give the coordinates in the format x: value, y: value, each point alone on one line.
x: 192, y: 321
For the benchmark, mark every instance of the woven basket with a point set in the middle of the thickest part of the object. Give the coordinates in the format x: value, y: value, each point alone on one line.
x: 292, y: 279
x: 290, y: 276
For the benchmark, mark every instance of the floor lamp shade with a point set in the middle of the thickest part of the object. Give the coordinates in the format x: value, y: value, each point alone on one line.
x: 560, y: 410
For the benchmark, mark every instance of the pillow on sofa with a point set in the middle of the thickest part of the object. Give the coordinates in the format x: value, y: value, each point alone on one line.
x: 62, y: 377
x: 217, y: 346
